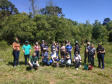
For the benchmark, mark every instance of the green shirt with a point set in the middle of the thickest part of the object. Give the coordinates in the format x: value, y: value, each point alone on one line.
x: 33, y: 59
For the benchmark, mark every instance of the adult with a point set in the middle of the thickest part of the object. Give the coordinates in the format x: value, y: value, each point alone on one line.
x: 77, y: 48
x: 53, y: 46
x: 42, y: 46
x: 45, y: 57
x: 101, y: 53
x: 16, y: 51
x: 62, y: 50
x: 37, y: 49
x: 69, y: 49
x: 86, y: 54
x: 47, y: 48
x: 66, y: 42
x: 77, y: 60
x: 98, y: 54
x: 33, y: 61
x: 26, y: 50
x: 54, y: 58
x: 92, y: 52
x: 57, y: 47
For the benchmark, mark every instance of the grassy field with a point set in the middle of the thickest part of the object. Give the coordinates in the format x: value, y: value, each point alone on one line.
x: 53, y: 75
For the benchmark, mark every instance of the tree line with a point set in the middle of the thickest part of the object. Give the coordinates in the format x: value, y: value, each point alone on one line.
x: 50, y: 25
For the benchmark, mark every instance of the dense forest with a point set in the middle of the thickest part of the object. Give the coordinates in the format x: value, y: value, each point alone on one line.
x: 49, y: 24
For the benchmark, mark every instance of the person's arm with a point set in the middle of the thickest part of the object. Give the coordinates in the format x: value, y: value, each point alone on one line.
x: 102, y: 51
x: 23, y: 49
x: 37, y: 63
x: 30, y: 63
x: 94, y: 53
x: 35, y: 48
x: 74, y: 48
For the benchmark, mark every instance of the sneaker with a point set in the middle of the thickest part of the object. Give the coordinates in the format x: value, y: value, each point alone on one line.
x: 77, y: 69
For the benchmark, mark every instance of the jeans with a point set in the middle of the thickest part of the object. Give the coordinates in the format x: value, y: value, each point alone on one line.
x: 101, y: 59
x: 92, y: 59
x: 45, y: 61
x: 16, y: 57
x: 37, y: 54
x: 26, y: 56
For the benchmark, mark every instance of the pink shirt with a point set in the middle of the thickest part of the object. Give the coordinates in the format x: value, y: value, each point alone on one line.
x: 36, y: 48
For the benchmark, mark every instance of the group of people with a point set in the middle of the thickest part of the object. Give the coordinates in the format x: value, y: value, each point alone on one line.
x: 65, y: 51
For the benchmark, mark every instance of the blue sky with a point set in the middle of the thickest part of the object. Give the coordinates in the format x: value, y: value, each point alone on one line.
x: 76, y: 10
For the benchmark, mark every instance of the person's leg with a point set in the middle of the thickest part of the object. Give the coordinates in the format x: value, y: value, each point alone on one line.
x: 88, y: 57
x: 99, y: 61
x: 25, y: 56
x: 38, y: 54
x: 18, y: 52
x: 14, y: 63
x: 102, y: 59
x: 85, y: 56
x: 92, y: 60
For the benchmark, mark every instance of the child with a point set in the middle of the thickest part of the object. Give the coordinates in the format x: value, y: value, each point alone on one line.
x: 77, y: 60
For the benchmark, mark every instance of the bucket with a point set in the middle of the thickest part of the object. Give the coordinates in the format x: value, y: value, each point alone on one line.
x: 90, y: 67
x: 85, y: 67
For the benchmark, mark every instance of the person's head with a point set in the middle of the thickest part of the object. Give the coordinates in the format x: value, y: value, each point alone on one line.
x: 62, y: 44
x: 76, y: 54
x: 34, y: 54
x: 16, y: 39
x: 45, y: 44
x: 99, y: 45
x: 76, y: 42
x: 43, y: 41
x: 56, y: 43
x: 26, y: 42
x: 88, y: 43
x: 68, y: 43
x: 36, y: 43
x: 44, y: 49
x: 92, y: 46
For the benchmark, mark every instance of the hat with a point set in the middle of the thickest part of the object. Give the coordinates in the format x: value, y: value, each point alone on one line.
x: 88, y: 42
x: 76, y: 41
x: 26, y: 41
x: 42, y: 40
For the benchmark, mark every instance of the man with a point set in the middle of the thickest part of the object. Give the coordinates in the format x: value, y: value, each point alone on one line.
x: 92, y: 52
x: 33, y: 61
x: 54, y: 58
x: 77, y: 48
x: 69, y: 49
x: 86, y: 54
x: 26, y: 49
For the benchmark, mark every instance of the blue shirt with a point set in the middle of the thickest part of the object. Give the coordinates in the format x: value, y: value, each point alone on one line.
x: 26, y: 49
x: 45, y: 55
x: 68, y: 48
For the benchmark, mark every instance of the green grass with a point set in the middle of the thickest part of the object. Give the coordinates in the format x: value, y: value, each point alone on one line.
x: 53, y: 75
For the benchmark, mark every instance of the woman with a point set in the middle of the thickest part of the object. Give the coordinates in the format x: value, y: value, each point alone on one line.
x: 26, y: 49
x: 101, y: 56
x: 16, y: 51
x: 37, y: 49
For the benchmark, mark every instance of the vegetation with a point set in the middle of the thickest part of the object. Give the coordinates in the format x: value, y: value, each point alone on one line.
x: 53, y: 75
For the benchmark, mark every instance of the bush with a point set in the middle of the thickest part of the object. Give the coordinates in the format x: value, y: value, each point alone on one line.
x: 3, y: 45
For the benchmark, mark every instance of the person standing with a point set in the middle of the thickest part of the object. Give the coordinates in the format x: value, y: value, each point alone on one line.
x: 42, y: 46
x: 16, y: 51
x: 92, y: 52
x: 77, y: 48
x: 101, y: 53
x: 37, y: 49
x: 86, y: 54
x: 69, y: 49
x: 27, y: 50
